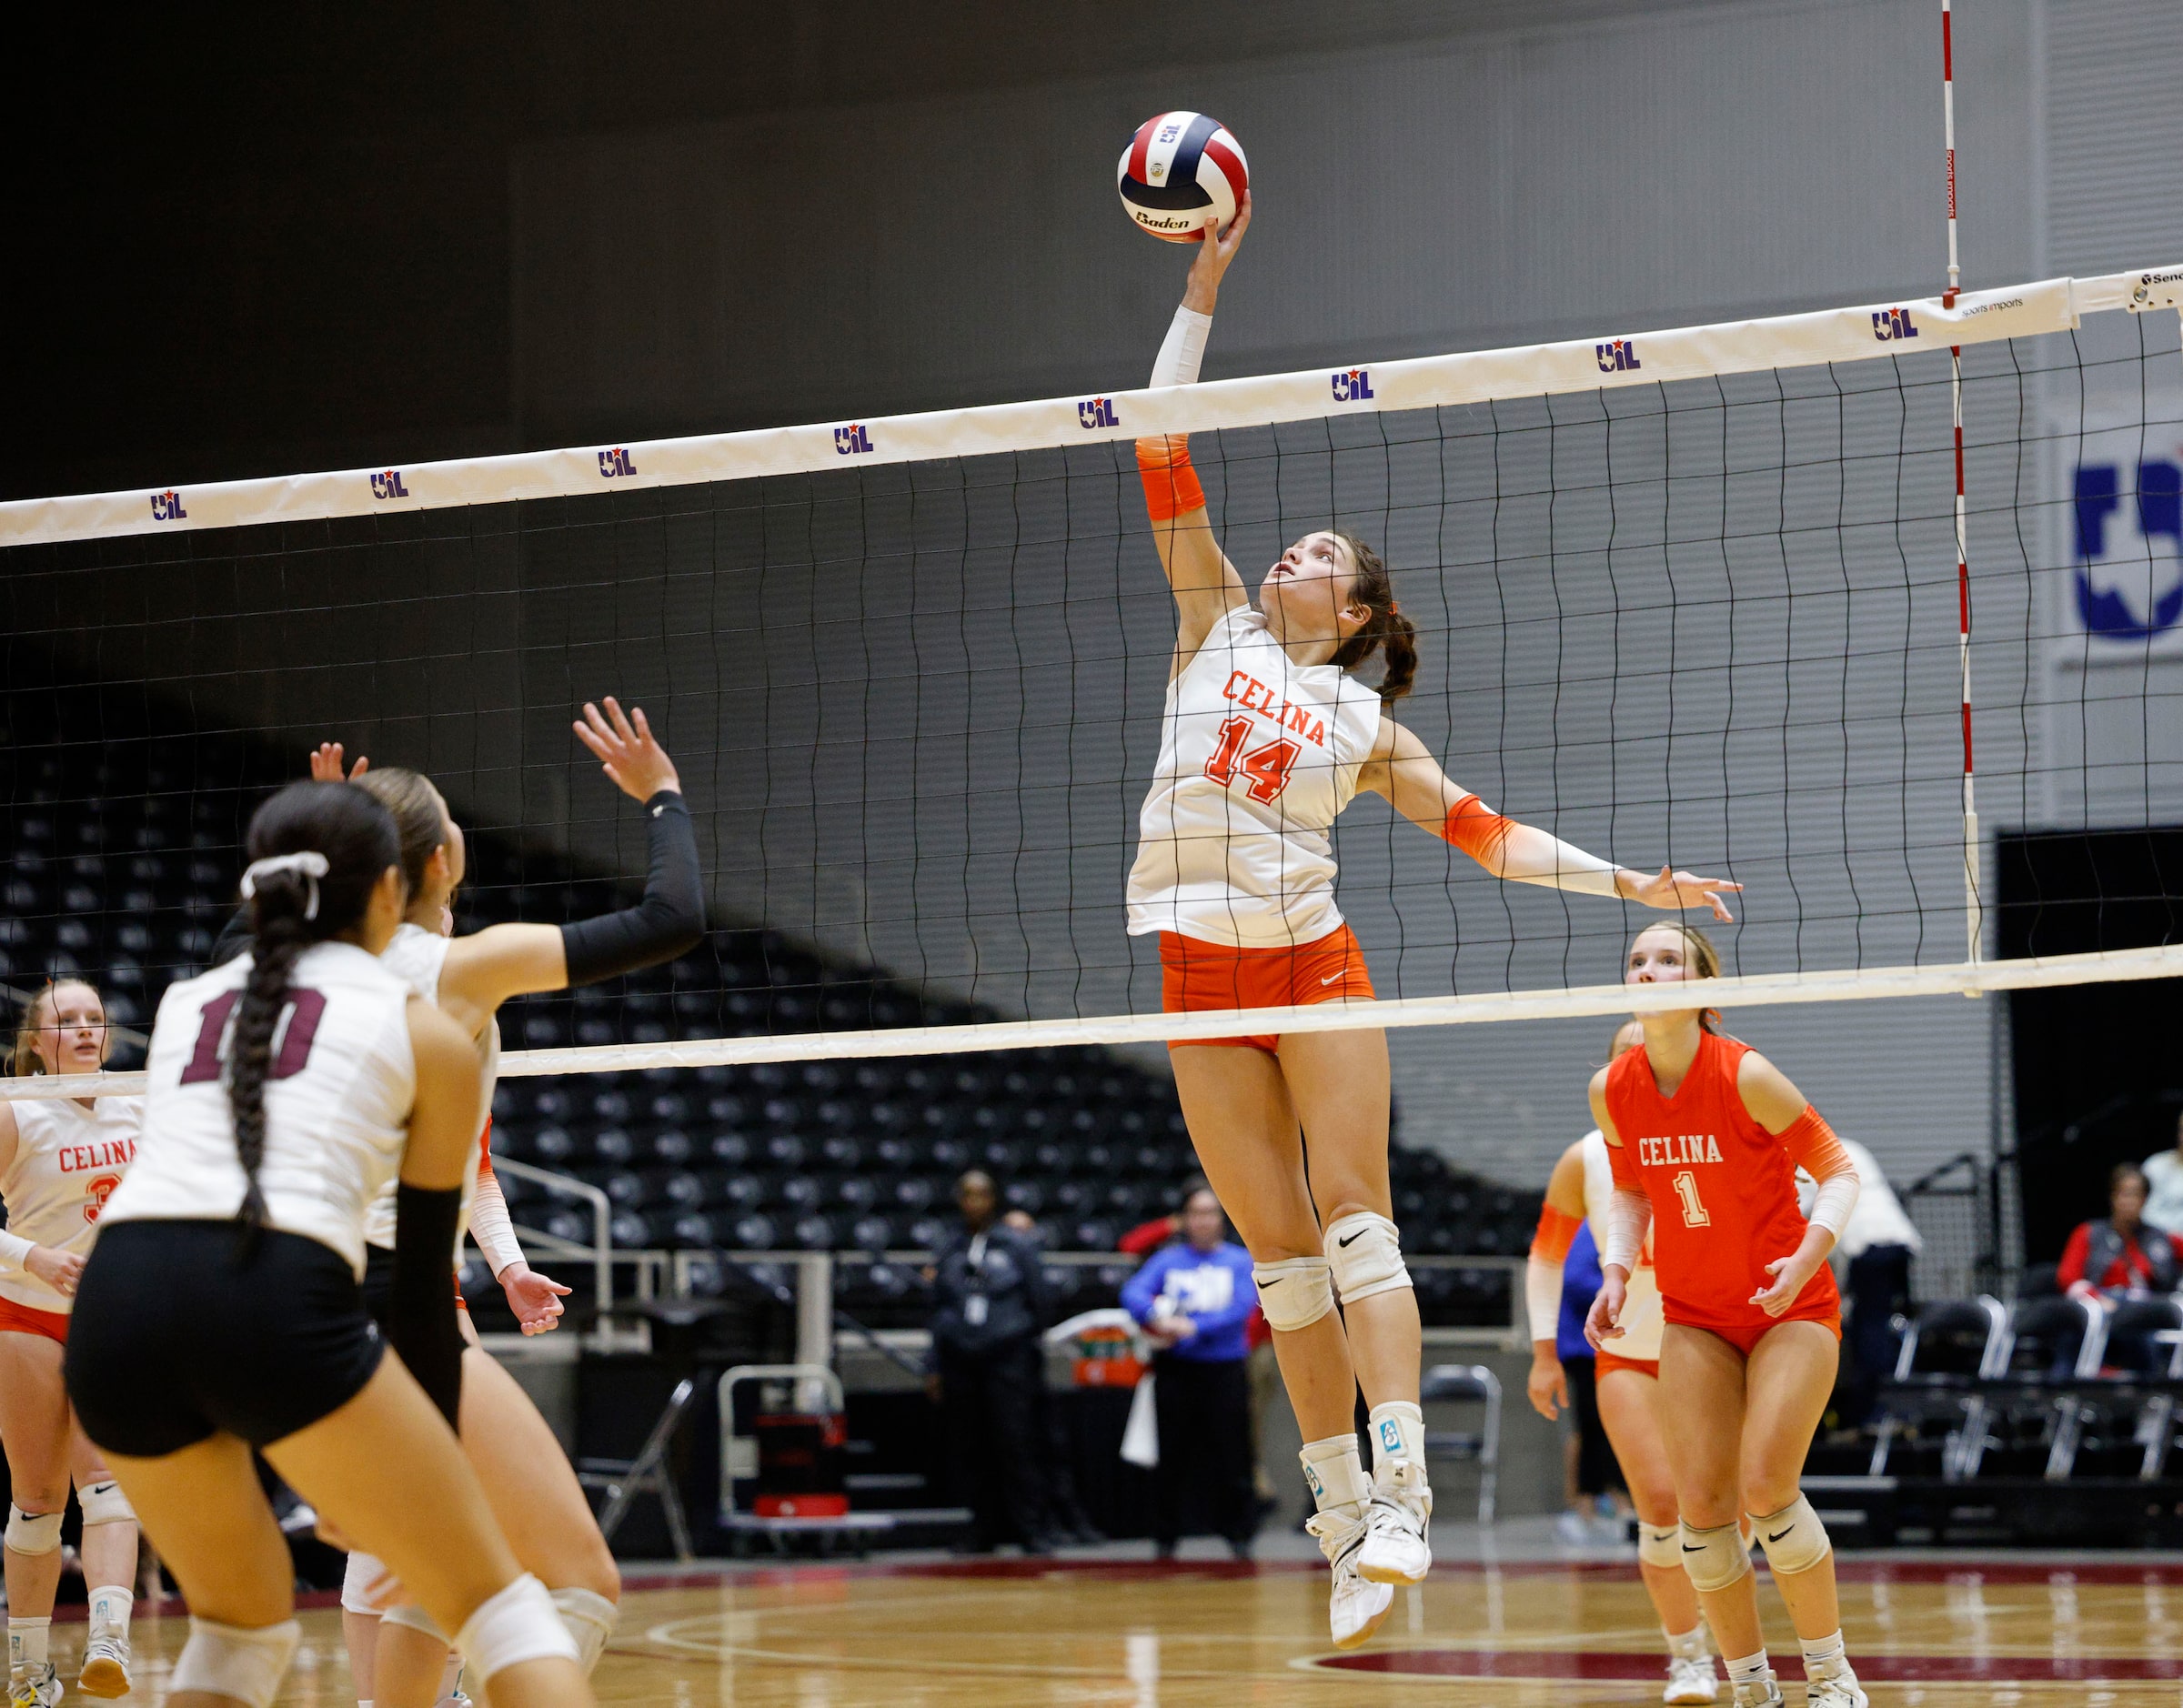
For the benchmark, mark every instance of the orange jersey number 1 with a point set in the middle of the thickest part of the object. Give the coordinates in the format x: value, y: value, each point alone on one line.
x: 1694, y: 1212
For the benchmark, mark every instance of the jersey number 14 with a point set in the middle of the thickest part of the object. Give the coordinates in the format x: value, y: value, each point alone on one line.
x: 1268, y: 768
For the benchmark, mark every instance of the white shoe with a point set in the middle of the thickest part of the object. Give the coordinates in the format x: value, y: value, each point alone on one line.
x: 1395, y: 1550
x: 1356, y: 1607
x: 1767, y: 1694
x: 1691, y: 1680
x: 33, y: 1685
x: 1841, y: 1691
x: 105, y: 1671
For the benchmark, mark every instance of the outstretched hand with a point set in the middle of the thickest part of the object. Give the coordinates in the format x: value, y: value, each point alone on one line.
x: 635, y: 762
x: 326, y: 765
x: 1216, y: 249
x: 535, y: 1299
x: 1673, y: 892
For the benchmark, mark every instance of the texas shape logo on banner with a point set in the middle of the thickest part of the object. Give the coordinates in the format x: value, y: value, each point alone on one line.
x: 2128, y: 515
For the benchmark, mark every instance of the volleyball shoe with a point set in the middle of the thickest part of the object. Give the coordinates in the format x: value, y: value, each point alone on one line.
x: 106, y: 1667
x: 1690, y: 1680
x: 1395, y: 1550
x: 1357, y: 1606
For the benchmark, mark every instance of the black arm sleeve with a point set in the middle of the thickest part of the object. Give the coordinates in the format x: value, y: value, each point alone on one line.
x: 421, y: 1306
x: 669, y: 920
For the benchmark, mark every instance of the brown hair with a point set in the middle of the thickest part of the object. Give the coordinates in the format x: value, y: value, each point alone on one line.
x: 23, y: 1060
x: 1704, y: 958
x: 1611, y: 1051
x: 1386, y: 629
x: 421, y: 815
x: 2123, y: 1171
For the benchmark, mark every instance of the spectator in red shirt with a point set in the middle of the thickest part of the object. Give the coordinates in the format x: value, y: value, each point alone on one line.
x: 2124, y: 1253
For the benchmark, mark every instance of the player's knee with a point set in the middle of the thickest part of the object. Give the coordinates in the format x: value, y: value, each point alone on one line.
x: 409, y: 1616
x: 1293, y: 1292
x: 105, y: 1504
x: 1715, y: 1558
x: 244, y: 1665
x: 519, y: 1624
x: 32, y: 1533
x: 1660, y: 1546
x: 357, y: 1576
x: 1793, y: 1538
x: 1365, y: 1253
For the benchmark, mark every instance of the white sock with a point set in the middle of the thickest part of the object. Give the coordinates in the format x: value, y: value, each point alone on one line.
x: 1690, y: 1645
x: 111, y: 1605
x: 1336, y: 1471
x: 1825, y: 1658
x: 590, y: 1617
x: 27, y: 1641
x: 1398, y: 1431
x: 1751, y: 1670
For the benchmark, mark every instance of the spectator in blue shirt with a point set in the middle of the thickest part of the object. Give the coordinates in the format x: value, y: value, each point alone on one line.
x: 1195, y: 1298
x: 1593, y: 1473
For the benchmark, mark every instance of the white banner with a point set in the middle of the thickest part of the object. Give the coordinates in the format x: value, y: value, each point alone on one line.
x: 1833, y: 335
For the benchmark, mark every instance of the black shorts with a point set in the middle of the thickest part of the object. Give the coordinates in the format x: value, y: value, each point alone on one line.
x: 176, y: 1336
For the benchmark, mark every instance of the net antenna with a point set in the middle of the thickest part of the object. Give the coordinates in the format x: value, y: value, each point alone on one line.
x: 1973, y: 905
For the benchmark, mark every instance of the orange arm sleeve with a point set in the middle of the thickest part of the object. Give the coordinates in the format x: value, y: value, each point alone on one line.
x: 1625, y: 1172
x: 1557, y: 1233
x: 1812, y: 1147
x: 1171, y: 484
x: 1478, y: 831
x: 485, y: 1151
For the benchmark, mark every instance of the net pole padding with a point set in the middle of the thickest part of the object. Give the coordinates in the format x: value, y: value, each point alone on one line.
x: 1973, y: 906
x: 1577, y: 366
x: 1745, y: 991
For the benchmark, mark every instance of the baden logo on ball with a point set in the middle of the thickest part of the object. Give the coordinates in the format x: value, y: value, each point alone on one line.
x: 1181, y: 173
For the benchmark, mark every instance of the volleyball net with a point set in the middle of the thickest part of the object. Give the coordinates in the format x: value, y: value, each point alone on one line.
x: 1688, y: 596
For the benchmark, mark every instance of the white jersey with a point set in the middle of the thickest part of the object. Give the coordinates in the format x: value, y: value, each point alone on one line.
x: 1257, y: 756
x: 416, y: 957
x: 337, y: 1102
x: 1642, y: 1319
x: 69, y: 1160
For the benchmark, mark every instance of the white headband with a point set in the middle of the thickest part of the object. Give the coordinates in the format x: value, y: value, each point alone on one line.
x: 310, y: 862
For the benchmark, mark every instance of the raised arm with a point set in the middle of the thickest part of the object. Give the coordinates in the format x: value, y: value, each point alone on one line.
x: 1205, y: 584
x: 1402, y: 769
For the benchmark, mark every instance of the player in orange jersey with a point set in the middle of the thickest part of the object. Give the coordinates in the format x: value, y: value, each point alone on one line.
x: 1705, y: 1136
x: 1627, y: 1386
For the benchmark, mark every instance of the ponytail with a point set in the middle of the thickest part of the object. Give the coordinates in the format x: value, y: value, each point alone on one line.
x: 316, y: 852
x: 1386, y: 631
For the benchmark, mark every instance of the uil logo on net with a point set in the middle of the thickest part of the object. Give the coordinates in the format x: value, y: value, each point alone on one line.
x: 388, y: 484
x: 2128, y: 523
x: 1096, y: 412
x: 1618, y: 355
x: 615, y: 463
x: 166, y: 506
x: 1352, y: 385
x: 1892, y: 325
x: 853, y: 440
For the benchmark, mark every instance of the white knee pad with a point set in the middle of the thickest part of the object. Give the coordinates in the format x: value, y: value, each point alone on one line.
x: 1715, y: 1558
x: 362, y: 1572
x: 1366, y: 1256
x: 228, y: 1660
x: 412, y: 1617
x: 1658, y: 1547
x: 1296, y: 1292
x: 1793, y: 1538
x: 105, y: 1504
x: 590, y: 1617
x: 32, y: 1533
x: 521, y: 1623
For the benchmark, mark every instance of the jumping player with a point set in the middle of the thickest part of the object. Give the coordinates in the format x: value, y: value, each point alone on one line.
x: 1704, y: 1136
x: 1627, y: 1383
x: 221, y: 1311
x: 60, y: 1158
x: 1266, y: 736
x: 400, y: 1659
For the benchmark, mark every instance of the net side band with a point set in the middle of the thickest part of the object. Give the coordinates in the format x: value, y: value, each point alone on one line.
x: 1833, y: 335
x: 1746, y: 990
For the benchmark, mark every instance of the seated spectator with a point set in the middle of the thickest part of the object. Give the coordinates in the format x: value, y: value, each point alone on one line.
x: 1872, y: 1260
x: 989, y: 1369
x: 1195, y: 1298
x: 2122, y: 1253
x: 2164, y: 1183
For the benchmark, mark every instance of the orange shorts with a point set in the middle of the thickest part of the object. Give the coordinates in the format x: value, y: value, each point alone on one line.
x: 1744, y: 1336
x: 1195, y: 975
x: 1606, y: 1363
x: 16, y: 1319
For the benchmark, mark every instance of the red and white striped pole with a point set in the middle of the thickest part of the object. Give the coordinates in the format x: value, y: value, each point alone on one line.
x: 1974, y: 907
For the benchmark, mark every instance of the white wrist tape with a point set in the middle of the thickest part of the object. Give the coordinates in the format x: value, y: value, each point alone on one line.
x: 491, y: 1228
x: 1542, y: 1298
x: 1182, y: 349
x: 1629, y: 1219
x: 1834, y: 1202
x: 14, y: 1249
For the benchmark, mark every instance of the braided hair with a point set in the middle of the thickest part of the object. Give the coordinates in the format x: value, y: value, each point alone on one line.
x: 1386, y: 630
x: 290, y: 910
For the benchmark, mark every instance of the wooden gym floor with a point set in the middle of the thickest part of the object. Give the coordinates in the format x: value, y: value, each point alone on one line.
x: 1999, y: 1632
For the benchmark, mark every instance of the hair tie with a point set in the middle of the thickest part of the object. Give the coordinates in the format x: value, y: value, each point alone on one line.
x: 1394, y: 607
x: 309, y: 861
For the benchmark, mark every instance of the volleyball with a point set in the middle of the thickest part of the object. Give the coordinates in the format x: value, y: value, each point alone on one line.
x: 1181, y: 173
